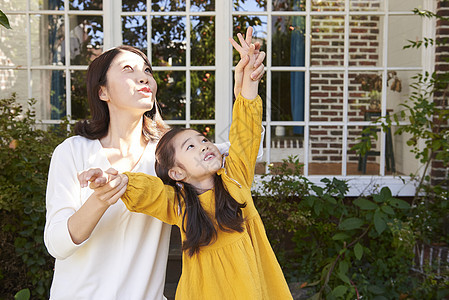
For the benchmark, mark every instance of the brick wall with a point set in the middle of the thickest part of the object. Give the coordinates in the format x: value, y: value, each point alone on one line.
x: 439, y: 171
x: 326, y: 88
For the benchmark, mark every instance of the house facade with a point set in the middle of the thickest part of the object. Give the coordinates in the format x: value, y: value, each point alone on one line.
x: 332, y: 67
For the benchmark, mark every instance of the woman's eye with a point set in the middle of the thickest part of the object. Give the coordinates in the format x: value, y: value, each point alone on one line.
x: 205, y: 140
x: 189, y: 147
x: 148, y: 70
x: 127, y: 68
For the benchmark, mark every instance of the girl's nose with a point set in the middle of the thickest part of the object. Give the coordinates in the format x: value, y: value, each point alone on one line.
x: 143, y: 80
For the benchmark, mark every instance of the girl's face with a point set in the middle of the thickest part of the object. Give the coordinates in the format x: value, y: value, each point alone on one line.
x: 195, y: 156
x: 130, y: 84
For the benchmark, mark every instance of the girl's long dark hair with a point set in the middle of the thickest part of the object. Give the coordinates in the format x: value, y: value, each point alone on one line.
x: 98, y: 125
x: 197, y: 224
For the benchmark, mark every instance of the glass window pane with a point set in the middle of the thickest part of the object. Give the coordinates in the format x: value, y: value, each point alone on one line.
x: 288, y: 41
x: 325, y: 150
x: 259, y: 24
x: 405, y: 5
x: 13, y: 42
x: 402, y: 29
x: 285, y: 142
x: 365, y: 94
x: 14, y: 81
x: 328, y: 5
x: 85, y: 5
x: 287, y: 96
x: 258, y: 5
x: 365, y: 40
x: 171, y: 94
x: 50, y: 93
x: 327, y: 44
x: 168, y: 5
x: 363, y: 5
x: 202, y: 41
x: 368, y: 163
x: 14, y: 5
x: 46, y: 5
x: 326, y: 96
x: 290, y: 5
x: 80, y: 105
x: 86, y: 38
x: 202, y: 105
x: 134, y: 32
x: 136, y: 5
x: 168, y: 38
x: 399, y: 89
x: 202, y: 5
x: 208, y: 130
x: 47, y: 40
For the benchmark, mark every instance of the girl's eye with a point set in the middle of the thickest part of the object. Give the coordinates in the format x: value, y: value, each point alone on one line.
x: 127, y: 68
x: 189, y: 147
x: 205, y: 140
x: 148, y: 70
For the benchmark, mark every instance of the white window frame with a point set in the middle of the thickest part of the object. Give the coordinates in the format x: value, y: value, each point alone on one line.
x: 223, y: 68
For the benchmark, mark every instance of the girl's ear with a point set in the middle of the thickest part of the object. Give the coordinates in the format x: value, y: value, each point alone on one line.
x: 177, y: 174
x: 103, y: 93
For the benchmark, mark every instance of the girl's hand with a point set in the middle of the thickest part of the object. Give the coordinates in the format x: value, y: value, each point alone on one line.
x: 243, y: 50
x: 109, y: 186
x: 109, y: 193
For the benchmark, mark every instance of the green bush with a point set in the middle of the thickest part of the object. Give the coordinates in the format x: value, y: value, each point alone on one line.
x: 339, y: 247
x: 25, y: 152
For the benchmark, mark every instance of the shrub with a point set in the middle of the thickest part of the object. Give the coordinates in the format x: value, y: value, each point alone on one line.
x: 341, y: 248
x: 25, y: 152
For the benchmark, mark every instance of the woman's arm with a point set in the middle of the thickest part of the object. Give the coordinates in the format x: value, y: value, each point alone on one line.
x: 83, y: 222
x: 64, y: 201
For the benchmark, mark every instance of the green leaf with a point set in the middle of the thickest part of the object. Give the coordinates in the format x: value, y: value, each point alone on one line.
x: 340, y: 236
x: 365, y: 204
x: 387, y: 209
x: 339, y: 291
x: 22, y: 295
x: 385, y: 193
x: 379, y: 222
x: 351, y: 223
x: 376, y: 289
x: 401, y: 204
x: 358, y: 251
x: 343, y: 267
x: 4, y: 21
x: 344, y: 277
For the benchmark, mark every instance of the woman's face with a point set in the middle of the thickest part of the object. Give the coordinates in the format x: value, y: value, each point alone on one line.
x: 130, y: 85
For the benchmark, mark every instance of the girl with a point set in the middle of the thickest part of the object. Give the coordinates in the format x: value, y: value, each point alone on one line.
x: 226, y: 253
x: 104, y: 251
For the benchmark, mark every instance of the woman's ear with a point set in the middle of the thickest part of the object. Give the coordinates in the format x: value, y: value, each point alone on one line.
x: 177, y: 174
x: 103, y: 93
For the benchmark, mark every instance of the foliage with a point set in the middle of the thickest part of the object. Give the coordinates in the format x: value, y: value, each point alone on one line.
x: 25, y: 152
x: 343, y: 248
x: 424, y: 120
x: 4, y: 20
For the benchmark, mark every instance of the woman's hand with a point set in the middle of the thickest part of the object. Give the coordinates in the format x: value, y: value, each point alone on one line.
x: 243, y: 49
x: 108, y: 186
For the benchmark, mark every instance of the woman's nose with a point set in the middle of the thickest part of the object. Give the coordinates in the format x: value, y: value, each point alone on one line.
x: 143, y: 80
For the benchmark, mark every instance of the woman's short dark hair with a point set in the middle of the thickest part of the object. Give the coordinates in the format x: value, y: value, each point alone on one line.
x: 97, y: 126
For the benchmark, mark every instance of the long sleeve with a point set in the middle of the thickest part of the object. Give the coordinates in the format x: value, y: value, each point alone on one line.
x: 147, y: 194
x: 62, y: 200
x: 245, y: 138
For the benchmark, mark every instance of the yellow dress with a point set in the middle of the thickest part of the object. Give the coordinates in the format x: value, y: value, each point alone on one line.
x: 237, y: 265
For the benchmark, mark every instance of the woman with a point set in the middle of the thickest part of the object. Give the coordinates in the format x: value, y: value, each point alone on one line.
x: 102, y: 251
